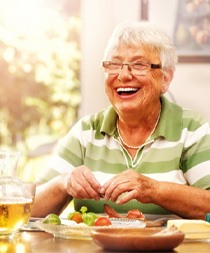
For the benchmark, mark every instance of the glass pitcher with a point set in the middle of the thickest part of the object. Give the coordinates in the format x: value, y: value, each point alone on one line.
x: 16, y: 197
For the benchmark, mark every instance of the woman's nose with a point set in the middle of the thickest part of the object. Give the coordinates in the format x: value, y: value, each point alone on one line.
x: 125, y: 73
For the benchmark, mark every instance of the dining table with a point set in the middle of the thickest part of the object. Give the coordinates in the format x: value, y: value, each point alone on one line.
x: 43, y: 242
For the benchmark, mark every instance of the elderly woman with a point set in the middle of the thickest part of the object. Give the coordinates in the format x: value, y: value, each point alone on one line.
x: 141, y: 152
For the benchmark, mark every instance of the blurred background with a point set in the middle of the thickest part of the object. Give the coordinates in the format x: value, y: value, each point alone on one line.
x: 50, y: 65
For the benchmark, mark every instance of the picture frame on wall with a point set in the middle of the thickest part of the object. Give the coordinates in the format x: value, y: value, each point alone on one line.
x: 187, y: 22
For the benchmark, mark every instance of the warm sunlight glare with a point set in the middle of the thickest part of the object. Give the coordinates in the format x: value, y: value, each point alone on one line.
x: 27, y: 17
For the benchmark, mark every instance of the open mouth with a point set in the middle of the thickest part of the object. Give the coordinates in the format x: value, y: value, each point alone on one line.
x: 127, y: 91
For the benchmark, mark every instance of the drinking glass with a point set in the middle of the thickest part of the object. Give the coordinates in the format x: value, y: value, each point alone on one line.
x: 16, y: 196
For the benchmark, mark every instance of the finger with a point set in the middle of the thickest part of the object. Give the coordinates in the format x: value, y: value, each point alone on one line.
x: 93, y: 186
x: 116, y: 188
x: 93, y: 194
x: 127, y: 197
x: 84, y: 190
x: 90, y: 178
x: 108, y: 184
x: 109, y: 190
x: 76, y: 190
x: 78, y: 195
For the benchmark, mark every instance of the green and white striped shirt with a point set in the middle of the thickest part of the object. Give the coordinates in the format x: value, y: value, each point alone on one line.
x: 178, y: 151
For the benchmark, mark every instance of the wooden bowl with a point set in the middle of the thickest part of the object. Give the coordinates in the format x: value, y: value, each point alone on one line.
x: 137, y: 239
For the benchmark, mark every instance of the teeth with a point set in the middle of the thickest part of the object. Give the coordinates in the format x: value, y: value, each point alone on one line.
x: 126, y: 89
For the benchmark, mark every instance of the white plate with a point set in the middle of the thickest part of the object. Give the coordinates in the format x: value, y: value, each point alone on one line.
x: 82, y: 231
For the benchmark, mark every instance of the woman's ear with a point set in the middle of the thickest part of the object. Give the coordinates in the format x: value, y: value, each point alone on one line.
x: 167, y: 78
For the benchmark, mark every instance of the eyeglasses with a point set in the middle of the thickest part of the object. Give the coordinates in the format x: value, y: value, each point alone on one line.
x: 136, y: 68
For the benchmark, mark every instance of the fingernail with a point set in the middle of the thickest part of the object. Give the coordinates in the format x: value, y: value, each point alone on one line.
x: 101, y: 191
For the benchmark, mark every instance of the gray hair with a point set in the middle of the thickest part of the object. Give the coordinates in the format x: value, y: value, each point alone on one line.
x: 147, y: 34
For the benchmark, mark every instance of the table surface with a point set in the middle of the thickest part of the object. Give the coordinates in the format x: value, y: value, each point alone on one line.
x: 42, y: 242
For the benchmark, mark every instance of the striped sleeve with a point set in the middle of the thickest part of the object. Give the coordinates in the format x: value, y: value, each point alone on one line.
x: 195, y: 160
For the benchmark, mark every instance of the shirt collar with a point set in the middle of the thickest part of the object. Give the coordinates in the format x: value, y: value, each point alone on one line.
x: 169, y: 125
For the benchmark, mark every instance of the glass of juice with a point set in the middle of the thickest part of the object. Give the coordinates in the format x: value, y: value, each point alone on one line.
x: 16, y: 197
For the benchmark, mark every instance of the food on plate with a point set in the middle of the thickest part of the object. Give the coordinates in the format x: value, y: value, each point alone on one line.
x: 102, y: 221
x: 193, y: 229
x: 131, y: 214
x: 52, y: 219
x: 76, y: 216
x: 135, y: 214
x: 83, y: 216
x: 111, y: 212
x: 89, y: 218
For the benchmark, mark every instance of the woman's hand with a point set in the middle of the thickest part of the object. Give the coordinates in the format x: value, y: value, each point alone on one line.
x: 132, y: 185
x: 82, y: 184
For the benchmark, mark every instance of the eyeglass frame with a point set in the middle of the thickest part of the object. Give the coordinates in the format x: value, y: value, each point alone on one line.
x: 129, y: 65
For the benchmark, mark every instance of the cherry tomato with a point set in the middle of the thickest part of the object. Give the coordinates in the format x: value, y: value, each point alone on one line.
x: 76, y: 216
x: 135, y: 214
x: 102, y: 221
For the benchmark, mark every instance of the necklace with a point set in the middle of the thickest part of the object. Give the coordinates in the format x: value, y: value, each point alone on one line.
x: 136, y: 147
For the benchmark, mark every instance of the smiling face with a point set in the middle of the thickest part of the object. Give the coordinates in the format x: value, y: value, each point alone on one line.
x: 129, y: 93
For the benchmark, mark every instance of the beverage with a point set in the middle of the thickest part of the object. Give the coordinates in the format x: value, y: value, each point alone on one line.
x: 14, y: 213
x: 16, y: 196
